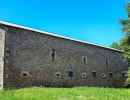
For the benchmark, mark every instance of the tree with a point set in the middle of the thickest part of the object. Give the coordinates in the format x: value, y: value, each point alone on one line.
x: 116, y: 45
x: 125, y: 42
x: 125, y: 46
x: 126, y: 22
x: 127, y: 82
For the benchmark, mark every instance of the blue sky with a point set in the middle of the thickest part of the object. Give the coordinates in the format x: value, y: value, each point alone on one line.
x: 94, y: 21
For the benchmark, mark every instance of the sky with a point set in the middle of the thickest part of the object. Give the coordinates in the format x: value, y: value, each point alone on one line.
x: 95, y: 21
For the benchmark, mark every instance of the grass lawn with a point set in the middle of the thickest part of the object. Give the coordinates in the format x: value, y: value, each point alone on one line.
x: 75, y: 93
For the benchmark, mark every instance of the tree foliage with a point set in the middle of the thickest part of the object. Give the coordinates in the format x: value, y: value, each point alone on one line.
x: 127, y: 82
x: 125, y: 47
x: 126, y: 22
x: 125, y: 42
x: 116, y: 45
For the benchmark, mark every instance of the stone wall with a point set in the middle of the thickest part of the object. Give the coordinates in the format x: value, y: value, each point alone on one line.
x: 2, y: 39
x: 38, y: 59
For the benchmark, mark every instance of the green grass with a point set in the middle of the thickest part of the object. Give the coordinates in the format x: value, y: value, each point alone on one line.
x: 75, y: 93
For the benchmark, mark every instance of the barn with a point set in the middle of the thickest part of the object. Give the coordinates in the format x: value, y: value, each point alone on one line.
x: 29, y: 57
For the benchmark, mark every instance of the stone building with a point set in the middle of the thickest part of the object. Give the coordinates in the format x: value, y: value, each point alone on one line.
x: 33, y: 57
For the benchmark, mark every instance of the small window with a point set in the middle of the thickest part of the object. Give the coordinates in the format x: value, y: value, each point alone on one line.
x: 53, y: 54
x: 84, y: 59
x: 71, y: 74
x: 111, y: 75
x: 94, y: 74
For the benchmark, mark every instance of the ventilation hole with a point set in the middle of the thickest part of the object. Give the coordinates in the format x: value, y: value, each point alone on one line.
x: 57, y: 74
x: 24, y: 74
x: 84, y: 75
x: 118, y: 75
x: 103, y: 74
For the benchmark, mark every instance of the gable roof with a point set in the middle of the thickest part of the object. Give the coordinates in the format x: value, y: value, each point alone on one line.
x: 52, y: 34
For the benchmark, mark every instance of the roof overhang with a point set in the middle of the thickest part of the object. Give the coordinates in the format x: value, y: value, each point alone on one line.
x: 52, y: 34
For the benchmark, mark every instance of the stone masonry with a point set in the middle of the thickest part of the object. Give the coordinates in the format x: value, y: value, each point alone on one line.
x: 2, y: 40
x: 34, y: 57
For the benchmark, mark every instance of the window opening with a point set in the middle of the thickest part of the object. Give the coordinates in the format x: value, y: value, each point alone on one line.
x: 94, y: 74
x: 111, y: 75
x: 71, y: 74
x: 84, y: 60
x: 53, y: 54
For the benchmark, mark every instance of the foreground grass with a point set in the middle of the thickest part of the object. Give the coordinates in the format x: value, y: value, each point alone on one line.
x: 75, y: 93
